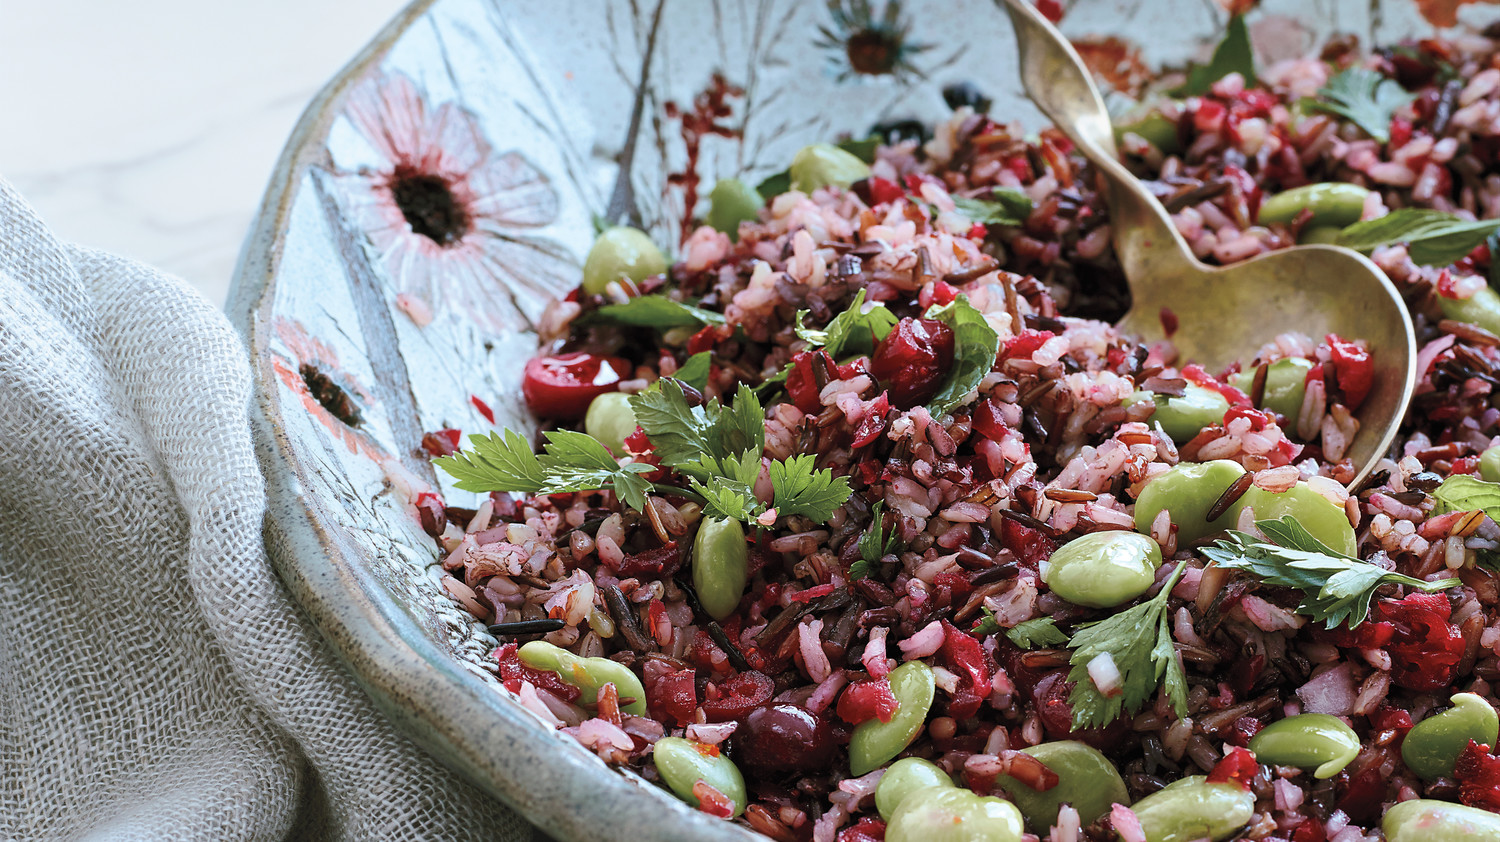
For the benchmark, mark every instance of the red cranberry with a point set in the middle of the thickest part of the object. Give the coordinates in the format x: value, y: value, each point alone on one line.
x: 784, y: 738
x: 738, y: 696
x: 1050, y: 695
x: 913, y: 361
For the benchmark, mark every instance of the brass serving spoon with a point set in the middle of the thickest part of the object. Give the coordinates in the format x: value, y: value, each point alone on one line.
x: 1224, y: 313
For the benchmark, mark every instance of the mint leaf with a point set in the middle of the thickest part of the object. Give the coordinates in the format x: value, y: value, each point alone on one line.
x: 1039, y: 631
x: 493, y: 463
x: 654, y: 311
x: 1008, y: 206
x: 857, y: 330
x: 1434, y: 238
x: 1232, y: 55
x: 1366, y: 98
x: 975, y: 347
x: 695, y: 371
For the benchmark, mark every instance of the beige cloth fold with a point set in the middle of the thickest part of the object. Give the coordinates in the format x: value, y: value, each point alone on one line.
x: 156, y: 680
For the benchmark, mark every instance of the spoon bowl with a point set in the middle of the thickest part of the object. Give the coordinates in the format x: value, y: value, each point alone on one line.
x: 1221, y: 314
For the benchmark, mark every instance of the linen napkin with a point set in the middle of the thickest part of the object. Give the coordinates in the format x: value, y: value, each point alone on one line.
x: 156, y: 679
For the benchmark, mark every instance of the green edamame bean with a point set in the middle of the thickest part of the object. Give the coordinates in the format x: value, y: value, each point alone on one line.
x: 610, y: 420
x: 1337, y: 203
x: 587, y: 674
x: 1427, y: 820
x: 1315, y: 741
x: 904, y: 777
x: 1286, y: 385
x: 823, y: 164
x: 952, y: 814
x: 621, y: 252
x: 1182, y: 417
x: 1103, y: 569
x: 1188, y: 491
x: 1432, y: 746
x: 731, y: 202
x: 1489, y: 465
x: 1155, y: 128
x: 1085, y: 779
x: 1321, y: 517
x: 1325, y: 234
x: 874, y: 742
x: 1192, y: 809
x: 720, y: 564
x: 683, y: 763
x: 1483, y: 309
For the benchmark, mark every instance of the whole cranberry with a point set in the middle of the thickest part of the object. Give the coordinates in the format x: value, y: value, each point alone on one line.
x: 913, y: 360
x: 783, y: 738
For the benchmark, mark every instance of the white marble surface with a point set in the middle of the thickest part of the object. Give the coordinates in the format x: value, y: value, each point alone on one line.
x: 149, y: 128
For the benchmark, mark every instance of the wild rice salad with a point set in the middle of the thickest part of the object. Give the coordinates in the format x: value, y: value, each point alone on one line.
x: 900, y: 539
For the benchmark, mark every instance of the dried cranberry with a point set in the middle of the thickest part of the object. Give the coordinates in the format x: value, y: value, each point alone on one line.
x: 1025, y: 344
x: 868, y: 699
x: 1424, y: 646
x: 868, y: 829
x: 1237, y: 767
x: 1354, y: 367
x: 1310, y: 830
x: 1478, y: 775
x: 913, y: 361
x: 784, y: 738
x: 877, y: 191
x: 1362, y: 797
x: 1258, y: 420
x: 987, y: 420
x: 673, y: 696
x: 431, y: 514
x: 802, y: 385
x: 1030, y: 546
x: 1195, y: 374
x: 513, y: 672
x: 441, y: 442
x: 1050, y: 695
x: 738, y: 696
x: 1243, y: 730
x: 565, y: 385
x: 1386, y: 718
x: 964, y: 657
x: 873, y: 424
x: 658, y: 563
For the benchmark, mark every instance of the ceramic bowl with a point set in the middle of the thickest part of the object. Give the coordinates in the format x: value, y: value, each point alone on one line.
x: 441, y: 191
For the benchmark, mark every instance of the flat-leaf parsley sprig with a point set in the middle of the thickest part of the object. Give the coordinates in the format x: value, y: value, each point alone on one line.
x: 1138, y: 645
x: 1336, y: 589
x: 717, y: 448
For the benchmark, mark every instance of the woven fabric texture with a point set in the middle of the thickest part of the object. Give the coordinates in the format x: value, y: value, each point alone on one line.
x: 156, y: 680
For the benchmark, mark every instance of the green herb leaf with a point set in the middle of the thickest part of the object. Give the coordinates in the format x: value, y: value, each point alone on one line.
x: 739, y: 428
x: 654, y: 311
x: 1461, y: 493
x: 775, y: 185
x: 1232, y: 55
x: 695, y: 371
x: 493, y: 463
x: 1139, y: 641
x: 1434, y: 238
x: 1366, y: 98
x: 1336, y: 589
x: 678, y: 431
x: 872, y: 546
x: 857, y: 330
x: 800, y: 489
x: 1039, y: 631
x: 1008, y: 206
x: 725, y: 497
x: 975, y: 347
x: 862, y: 148
x: 578, y: 462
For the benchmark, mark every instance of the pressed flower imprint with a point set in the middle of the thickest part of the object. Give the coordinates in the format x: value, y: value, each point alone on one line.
x: 448, y: 217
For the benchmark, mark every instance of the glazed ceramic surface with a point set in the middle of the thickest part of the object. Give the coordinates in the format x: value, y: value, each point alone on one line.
x: 369, y: 325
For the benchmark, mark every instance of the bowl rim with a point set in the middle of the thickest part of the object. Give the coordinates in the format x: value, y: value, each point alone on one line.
x: 449, y: 712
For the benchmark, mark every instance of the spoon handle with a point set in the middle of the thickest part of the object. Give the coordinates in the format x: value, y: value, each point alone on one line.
x: 1056, y: 80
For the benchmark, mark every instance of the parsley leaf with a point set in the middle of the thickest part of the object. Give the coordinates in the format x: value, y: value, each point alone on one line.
x: 975, y: 347
x: 681, y: 433
x: 694, y: 372
x: 724, y: 497
x: 872, y: 546
x: 1008, y: 206
x: 857, y: 330
x: 1232, y: 55
x: 1366, y: 98
x: 493, y: 463
x: 1336, y: 589
x: 863, y: 149
x: 1038, y: 631
x: 1434, y: 238
x: 738, y: 428
x: 801, y: 489
x: 654, y: 311
x: 1139, y: 641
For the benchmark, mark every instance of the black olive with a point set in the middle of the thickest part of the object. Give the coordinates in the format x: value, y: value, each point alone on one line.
x: 960, y: 94
x: 895, y: 131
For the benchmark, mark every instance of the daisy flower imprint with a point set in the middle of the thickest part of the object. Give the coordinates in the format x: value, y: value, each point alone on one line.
x: 445, y: 214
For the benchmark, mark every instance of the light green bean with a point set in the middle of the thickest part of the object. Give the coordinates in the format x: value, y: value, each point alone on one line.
x: 1432, y: 746
x: 952, y: 814
x: 1103, y: 569
x: 621, y: 252
x: 1315, y: 741
x: 720, y: 565
x: 874, y: 742
x: 904, y: 777
x: 587, y: 674
x: 1085, y: 779
x: 1426, y: 820
x: 683, y: 763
